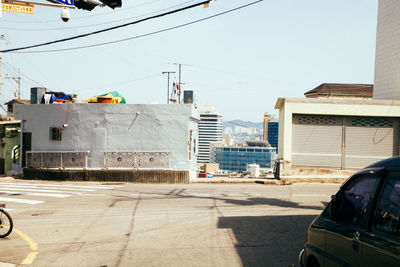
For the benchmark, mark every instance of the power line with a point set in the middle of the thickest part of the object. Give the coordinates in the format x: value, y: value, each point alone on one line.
x: 8, y: 65
x: 134, y: 37
x: 92, y: 25
x: 108, y: 29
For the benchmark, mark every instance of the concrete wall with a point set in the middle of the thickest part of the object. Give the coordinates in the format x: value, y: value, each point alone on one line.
x: 387, y: 57
x: 317, y: 106
x: 114, y: 127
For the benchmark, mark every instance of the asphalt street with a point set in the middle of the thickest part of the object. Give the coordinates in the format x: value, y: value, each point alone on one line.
x: 122, y: 224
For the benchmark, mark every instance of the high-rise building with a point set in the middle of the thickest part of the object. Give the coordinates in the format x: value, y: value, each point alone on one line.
x: 210, y: 130
x: 387, y: 57
x: 273, y: 133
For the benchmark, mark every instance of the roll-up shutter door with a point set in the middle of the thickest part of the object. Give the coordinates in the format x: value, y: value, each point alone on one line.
x: 317, y: 141
x: 368, y: 140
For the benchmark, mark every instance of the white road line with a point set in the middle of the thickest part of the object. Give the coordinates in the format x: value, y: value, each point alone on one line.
x: 40, y: 190
x: 17, y: 200
x: 66, y: 185
x: 33, y: 194
x: 48, y: 187
x: 5, y: 264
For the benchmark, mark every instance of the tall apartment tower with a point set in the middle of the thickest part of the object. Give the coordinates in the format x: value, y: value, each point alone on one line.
x: 387, y: 55
x: 267, y: 118
x: 210, y: 130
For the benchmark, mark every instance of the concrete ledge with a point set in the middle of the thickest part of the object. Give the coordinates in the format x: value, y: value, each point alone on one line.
x: 283, y: 181
x: 132, y: 176
x: 312, y: 180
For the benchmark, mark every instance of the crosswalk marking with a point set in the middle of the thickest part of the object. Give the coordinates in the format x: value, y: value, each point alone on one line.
x: 39, y: 190
x: 18, y: 200
x: 33, y: 194
x: 48, y: 187
x: 66, y: 185
x: 21, y: 192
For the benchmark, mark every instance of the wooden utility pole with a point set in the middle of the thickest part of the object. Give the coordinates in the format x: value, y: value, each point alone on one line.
x: 168, y: 72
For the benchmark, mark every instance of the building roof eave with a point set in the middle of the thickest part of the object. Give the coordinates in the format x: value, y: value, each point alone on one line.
x: 280, y: 102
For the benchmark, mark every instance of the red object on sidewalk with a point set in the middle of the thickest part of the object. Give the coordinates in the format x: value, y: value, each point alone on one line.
x: 202, y: 175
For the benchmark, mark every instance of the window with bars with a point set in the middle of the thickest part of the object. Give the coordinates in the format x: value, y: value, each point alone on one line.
x: 55, y: 134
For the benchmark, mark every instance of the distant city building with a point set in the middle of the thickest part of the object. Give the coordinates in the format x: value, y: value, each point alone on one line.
x: 273, y: 133
x: 210, y: 130
x: 271, y: 130
x: 237, y: 158
x: 228, y: 131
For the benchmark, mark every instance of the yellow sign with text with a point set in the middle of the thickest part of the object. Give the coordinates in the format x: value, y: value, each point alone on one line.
x: 17, y: 8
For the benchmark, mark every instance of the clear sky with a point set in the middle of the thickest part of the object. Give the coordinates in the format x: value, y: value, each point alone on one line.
x: 239, y: 63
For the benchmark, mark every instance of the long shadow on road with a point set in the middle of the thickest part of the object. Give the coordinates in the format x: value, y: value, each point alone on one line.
x: 268, y: 240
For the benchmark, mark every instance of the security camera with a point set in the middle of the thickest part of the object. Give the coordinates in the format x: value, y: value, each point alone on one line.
x: 137, y: 113
x: 65, y: 16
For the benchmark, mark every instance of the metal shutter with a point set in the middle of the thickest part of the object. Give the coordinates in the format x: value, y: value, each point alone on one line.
x: 317, y: 141
x: 368, y: 140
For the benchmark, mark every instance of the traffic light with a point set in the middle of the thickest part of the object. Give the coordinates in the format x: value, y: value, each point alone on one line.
x: 112, y: 3
x: 85, y: 4
x: 91, y: 4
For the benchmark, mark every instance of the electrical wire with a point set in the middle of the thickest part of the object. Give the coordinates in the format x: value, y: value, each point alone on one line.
x: 98, y: 24
x: 120, y: 83
x: 130, y: 38
x: 107, y: 29
x: 9, y: 66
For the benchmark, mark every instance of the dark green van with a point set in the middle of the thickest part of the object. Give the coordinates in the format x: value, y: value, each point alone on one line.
x: 361, y: 224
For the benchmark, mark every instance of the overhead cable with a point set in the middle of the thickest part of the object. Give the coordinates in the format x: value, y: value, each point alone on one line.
x: 107, y: 29
x: 96, y: 24
x: 137, y: 36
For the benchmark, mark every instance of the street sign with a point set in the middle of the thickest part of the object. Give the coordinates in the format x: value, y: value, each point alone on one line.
x: 17, y: 8
x: 66, y: 2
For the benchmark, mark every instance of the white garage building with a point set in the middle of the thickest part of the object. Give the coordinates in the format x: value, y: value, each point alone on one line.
x: 336, y: 133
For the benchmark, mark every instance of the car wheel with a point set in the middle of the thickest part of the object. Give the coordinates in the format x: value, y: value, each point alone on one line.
x: 312, y: 262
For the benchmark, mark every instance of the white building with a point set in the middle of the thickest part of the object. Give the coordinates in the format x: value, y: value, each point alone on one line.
x: 110, y: 136
x: 387, y: 57
x: 210, y: 130
x: 337, y: 134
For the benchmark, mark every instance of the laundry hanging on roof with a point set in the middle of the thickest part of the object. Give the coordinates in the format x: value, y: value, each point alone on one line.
x: 110, y: 98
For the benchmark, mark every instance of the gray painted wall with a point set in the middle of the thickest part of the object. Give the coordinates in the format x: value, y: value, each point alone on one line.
x: 387, y: 57
x: 115, y: 127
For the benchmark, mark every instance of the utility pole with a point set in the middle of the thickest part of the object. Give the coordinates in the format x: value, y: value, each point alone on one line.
x: 18, y: 81
x: 168, y: 72
x: 2, y: 38
x: 180, y: 80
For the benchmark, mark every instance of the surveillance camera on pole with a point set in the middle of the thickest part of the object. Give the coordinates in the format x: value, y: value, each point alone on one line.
x: 65, y: 16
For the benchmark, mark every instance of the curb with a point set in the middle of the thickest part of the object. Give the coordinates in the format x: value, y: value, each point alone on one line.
x: 283, y: 181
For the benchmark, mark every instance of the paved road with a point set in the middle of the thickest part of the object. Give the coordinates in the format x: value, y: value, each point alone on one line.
x: 94, y: 224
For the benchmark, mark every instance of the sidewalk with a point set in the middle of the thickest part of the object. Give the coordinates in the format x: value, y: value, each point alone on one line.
x: 237, y: 180
x: 271, y: 181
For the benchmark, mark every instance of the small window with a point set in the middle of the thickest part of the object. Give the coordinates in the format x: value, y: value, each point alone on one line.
x: 352, y: 204
x: 55, y: 134
x: 387, y: 216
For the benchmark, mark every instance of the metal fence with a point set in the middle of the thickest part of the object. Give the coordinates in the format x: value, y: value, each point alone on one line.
x: 59, y: 159
x: 143, y: 160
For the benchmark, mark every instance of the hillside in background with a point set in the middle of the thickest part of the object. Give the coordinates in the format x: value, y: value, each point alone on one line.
x: 246, y: 124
